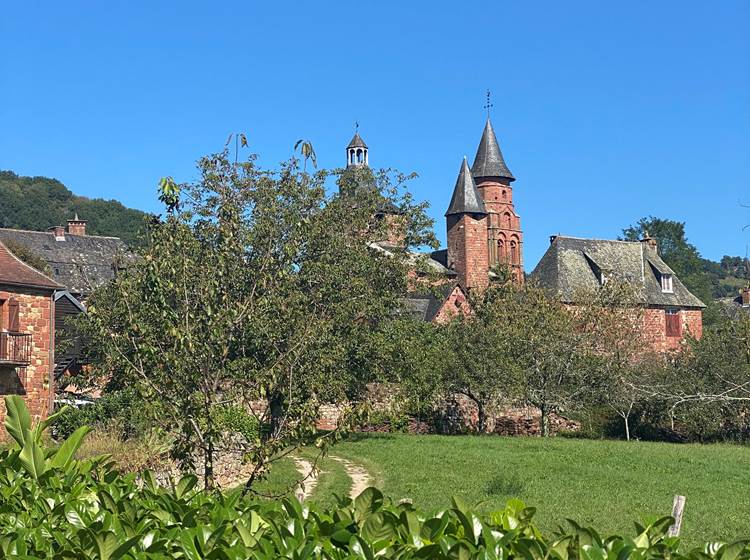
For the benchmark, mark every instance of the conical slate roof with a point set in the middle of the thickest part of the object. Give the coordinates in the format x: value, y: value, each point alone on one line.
x: 357, y: 142
x: 466, y: 198
x: 489, y: 160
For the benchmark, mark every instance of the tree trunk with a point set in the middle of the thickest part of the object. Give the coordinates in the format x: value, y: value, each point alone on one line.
x: 626, y: 418
x: 481, y: 417
x: 276, y: 408
x: 208, y: 464
x: 544, y: 421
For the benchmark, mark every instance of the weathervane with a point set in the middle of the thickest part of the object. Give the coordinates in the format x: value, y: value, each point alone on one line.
x: 356, y: 126
x: 488, y: 105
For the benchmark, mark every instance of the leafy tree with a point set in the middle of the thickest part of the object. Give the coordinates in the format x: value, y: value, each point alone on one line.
x: 624, y: 360
x: 257, y: 287
x: 555, y: 355
x: 482, y: 351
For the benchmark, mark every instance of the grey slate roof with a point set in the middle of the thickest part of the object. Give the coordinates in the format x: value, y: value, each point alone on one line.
x: 489, y: 161
x: 572, y: 265
x: 436, y: 261
x: 357, y: 142
x: 733, y: 308
x: 424, y: 306
x: 80, y: 263
x: 466, y: 198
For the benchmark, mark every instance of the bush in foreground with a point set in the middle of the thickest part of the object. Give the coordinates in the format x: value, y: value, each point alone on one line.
x: 53, y: 506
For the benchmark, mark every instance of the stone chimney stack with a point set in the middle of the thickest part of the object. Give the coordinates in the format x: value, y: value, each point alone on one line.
x: 745, y: 296
x: 650, y: 242
x: 76, y: 226
x: 58, y: 231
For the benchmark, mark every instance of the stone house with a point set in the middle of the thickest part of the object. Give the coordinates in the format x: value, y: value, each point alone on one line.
x: 78, y: 263
x: 27, y: 337
x: 572, y: 266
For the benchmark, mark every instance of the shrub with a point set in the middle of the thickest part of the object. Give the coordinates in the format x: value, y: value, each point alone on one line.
x: 53, y: 506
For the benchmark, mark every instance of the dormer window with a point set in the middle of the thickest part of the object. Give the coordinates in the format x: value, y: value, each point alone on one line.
x: 666, y: 284
x: 602, y: 278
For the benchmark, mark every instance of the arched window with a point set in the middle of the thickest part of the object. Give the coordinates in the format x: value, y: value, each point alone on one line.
x: 502, y: 257
x: 513, y: 252
x: 506, y: 220
x: 505, y: 194
x: 359, y: 156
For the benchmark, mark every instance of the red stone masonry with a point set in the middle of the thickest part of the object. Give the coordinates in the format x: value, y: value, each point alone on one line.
x: 467, y: 249
x: 27, y: 306
x: 655, y: 328
x: 504, y: 236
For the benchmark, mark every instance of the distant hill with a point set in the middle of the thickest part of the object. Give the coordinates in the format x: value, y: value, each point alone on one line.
x: 37, y: 203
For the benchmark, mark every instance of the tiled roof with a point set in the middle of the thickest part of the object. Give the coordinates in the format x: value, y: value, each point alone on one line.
x: 489, y: 161
x: 572, y: 265
x: 357, y: 142
x: 79, y: 262
x: 14, y: 272
x: 466, y: 198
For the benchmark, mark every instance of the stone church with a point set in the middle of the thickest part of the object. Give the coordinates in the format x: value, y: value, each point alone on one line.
x: 484, y: 233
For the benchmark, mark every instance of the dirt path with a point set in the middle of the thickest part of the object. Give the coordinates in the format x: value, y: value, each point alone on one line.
x: 361, y: 479
x: 305, y: 467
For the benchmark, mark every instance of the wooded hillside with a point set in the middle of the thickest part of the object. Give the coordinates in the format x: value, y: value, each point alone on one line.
x: 37, y: 203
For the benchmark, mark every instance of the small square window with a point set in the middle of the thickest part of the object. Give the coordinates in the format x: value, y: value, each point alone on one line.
x: 666, y: 284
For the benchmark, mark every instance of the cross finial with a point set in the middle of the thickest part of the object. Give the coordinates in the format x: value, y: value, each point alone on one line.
x: 356, y: 126
x: 488, y: 104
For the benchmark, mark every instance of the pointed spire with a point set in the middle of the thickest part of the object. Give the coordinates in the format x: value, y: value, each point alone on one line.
x: 489, y: 160
x: 466, y: 198
x: 357, y: 141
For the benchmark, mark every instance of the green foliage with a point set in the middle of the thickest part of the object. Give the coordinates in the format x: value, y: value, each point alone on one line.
x: 235, y: 419
x: 83, y: 509
x: 37, y: 203
x: 120, y: 409
x: 256, y: 287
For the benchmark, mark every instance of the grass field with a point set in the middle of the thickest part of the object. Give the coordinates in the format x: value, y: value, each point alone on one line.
x: 605, y: 484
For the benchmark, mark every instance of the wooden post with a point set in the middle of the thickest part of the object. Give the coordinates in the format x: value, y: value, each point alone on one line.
x: 678, y: 506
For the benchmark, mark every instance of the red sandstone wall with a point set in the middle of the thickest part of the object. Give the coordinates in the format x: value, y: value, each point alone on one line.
x: 655, y: 325
x: 467, y: 250
x: 455, y: 303
x: 36, y: 316
x: 503, y: 226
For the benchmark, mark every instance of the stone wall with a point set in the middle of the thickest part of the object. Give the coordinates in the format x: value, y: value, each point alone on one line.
x: 467, y: 250
x: 33, y: 382
x: 655, y: 325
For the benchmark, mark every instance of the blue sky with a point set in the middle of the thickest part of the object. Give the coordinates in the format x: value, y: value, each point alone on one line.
x: 606, y: 111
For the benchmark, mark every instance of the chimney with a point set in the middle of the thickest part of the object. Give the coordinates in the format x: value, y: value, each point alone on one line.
x: 76, y: 226
x: 650, y: 242
x: 745, y: 296
x: 58, y: 231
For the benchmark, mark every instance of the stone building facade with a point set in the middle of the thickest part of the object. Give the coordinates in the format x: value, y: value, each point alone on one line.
x: 573, y: 266
x: 27, y: 337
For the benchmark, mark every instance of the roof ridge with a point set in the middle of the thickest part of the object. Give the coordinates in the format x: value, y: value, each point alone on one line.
x: 66, y: 233
x: 561, y: 236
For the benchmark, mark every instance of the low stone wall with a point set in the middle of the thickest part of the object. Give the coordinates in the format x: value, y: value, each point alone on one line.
x: 455, y: 415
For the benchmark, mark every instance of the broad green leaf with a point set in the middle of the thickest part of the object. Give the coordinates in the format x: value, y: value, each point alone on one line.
x: 65, y: 453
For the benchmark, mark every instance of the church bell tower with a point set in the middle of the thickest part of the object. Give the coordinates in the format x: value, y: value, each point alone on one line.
x: 493, y: 180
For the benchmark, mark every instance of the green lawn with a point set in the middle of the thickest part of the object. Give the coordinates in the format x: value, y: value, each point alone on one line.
x: 605, y: 484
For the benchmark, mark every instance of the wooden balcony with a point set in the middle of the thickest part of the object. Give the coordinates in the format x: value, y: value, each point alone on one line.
x: 15, y: 348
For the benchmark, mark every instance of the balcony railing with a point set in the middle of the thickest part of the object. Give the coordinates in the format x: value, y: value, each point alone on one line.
x: 15, y: 348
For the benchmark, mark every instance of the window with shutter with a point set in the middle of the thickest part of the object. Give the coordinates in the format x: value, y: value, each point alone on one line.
x: 674, y: 322
x: 14, y: 322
